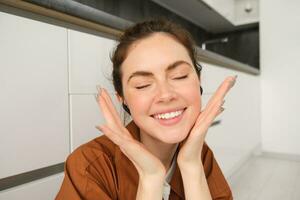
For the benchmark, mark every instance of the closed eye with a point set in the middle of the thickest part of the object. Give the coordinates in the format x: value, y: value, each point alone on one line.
x: 141, y: 87
x: 181, y: 77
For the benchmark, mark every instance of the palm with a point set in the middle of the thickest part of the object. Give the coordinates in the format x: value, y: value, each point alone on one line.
x: 145, y: 162
x: 190, y: 152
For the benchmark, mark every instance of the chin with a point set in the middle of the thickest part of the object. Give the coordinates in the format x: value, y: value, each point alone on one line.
x: 171, y: 137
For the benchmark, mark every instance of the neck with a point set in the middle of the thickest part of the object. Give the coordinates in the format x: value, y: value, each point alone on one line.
x: 163, y: 151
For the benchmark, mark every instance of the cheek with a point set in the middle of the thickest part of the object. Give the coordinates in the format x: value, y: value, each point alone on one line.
x: 193, y: 96
x: 138, y: 104
x: 191, y: 92
x: 193, y: 99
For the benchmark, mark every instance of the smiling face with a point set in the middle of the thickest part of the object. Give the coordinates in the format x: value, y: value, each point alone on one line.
x: 158, y: 77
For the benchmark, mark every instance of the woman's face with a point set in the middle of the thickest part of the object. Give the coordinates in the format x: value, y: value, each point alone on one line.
x: 158, y: 77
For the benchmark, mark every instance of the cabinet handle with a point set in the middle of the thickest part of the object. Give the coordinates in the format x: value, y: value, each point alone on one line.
x: 33, y: 175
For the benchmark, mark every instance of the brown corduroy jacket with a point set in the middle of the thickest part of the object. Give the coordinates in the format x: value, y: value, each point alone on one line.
x: 98, y: 170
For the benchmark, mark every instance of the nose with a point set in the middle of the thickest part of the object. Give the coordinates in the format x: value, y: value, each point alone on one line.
x: 165, y: 93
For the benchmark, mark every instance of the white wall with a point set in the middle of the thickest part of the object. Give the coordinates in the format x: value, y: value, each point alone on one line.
x: 280, y: 74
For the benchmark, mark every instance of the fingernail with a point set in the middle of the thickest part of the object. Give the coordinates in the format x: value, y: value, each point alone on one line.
x: 96, y: 96
x: 223, y: 102
x: 233, y: 82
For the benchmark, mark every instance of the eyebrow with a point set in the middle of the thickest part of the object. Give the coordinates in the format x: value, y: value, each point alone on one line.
x: 170, y: 67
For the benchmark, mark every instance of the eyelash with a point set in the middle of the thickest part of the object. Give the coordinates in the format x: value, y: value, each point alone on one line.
x: 178, y: 78
x: 141, y: 87
x: 182, y: 77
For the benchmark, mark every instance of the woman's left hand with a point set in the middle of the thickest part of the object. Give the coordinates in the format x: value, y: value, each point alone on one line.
x: 190, y: 152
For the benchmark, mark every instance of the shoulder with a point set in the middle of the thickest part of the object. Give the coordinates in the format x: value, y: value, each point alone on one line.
x: 100, y: 150
x: 90, y: 172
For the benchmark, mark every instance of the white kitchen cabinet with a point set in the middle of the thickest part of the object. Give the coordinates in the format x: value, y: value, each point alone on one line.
x: 90, y: 65
x: 45, y: 189
x: 34, y: 131
x: 89, y: 61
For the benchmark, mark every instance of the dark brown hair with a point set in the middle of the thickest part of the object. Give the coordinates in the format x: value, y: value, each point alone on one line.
x: 141, y: 31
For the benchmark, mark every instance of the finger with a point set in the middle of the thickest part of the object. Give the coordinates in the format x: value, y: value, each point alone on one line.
x: 217, y: 109
x: 111, y: 107
x: 206, y: 112
x: 141, y: 158
x: 110, y: 114
x: 200, y: 128
x: 219, y: 94
x: 107, y: 115
x: 134, y: 151
x: 206, y: 118
x: 114, y: 137
x: 210, y: 116
x: 223, y: 89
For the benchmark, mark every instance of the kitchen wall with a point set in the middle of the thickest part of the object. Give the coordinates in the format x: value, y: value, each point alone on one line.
x: 242, y: 44
x: 48, y: 75
x: 237, y: 137
x: 280, y: 69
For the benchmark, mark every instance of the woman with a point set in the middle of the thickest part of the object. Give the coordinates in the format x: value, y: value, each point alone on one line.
x: 161, y: 153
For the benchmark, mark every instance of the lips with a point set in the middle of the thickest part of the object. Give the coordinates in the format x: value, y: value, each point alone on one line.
x: 171, y: 121
x: 168, y: 111
x: 169, y: 115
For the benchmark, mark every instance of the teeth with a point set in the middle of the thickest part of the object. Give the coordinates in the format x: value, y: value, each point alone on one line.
x: 168, y: 115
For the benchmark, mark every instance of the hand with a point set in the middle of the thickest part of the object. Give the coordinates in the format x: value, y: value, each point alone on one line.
x: 147, y: 165
x: 190, y: 152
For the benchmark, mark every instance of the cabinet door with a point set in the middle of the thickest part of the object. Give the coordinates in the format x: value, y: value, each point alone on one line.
x: 45, y: 189
x: 34, y: 131
x: 90, y: 65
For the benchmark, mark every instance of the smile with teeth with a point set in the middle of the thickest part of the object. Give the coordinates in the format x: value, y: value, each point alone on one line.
x: 169, y: 115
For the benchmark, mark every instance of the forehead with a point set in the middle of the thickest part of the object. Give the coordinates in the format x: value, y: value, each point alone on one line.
x: 153, y: 53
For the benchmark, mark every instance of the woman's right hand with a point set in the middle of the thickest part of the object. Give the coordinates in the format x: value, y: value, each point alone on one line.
x: 148, y: 166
